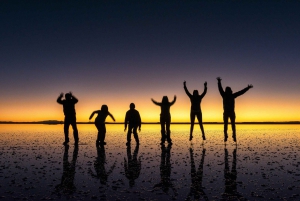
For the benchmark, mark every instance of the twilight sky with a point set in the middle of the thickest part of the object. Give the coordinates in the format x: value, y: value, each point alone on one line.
x: 118, y: 52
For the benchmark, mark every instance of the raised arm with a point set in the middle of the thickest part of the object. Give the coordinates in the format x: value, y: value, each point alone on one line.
x: 59, y: 98
x: 205, y: 90
x: 156, y: 103
x: 236, y: 94
x: 186, y: 90
x: 111, y: 116
x: 220, y: 86
x: 173, y: 101
x: 73, y: 98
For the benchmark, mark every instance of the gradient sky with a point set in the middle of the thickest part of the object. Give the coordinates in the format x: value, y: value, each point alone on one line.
x: 118, y: 52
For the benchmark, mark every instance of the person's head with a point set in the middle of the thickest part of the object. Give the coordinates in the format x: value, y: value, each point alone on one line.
x: 132, y: 106
x: 68, y: 96
x: 228, y: 90
x: 104, y: 108
x: 195, y: 93
x: 165, y: 99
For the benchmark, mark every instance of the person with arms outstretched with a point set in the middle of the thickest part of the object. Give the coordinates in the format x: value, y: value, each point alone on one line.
x: 100, y: 123
x: 70, y: 115
x: 165, y: 118
x: 228, y: 105
x: 195, y: 108
x: 132, y: 118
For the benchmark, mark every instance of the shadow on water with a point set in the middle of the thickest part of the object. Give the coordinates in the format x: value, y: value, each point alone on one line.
x: 165, y: 172
x: 196, y: 190
x: 99, y: 165
x: 132, y: 166
x: 66, y: 185
x: 230, y: 177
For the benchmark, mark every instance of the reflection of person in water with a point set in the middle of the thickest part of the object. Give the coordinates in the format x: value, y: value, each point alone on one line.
x: 230, y: 179
x: 70, y: 115
x: 196, y: 187
x: 165, y: 171
x: 66, y: 185
x: 100, y: 123
x: 99, y: 166
x: 165, y: 118
x: 132, y: 165
x: 195, y: 108
x: 228, y: 105
x: 132, y: 118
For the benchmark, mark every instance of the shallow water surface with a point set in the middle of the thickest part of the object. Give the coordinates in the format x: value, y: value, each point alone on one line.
x: 264, y: 164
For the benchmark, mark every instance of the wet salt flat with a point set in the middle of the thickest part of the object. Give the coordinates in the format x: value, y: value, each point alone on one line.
x: 265, y: 165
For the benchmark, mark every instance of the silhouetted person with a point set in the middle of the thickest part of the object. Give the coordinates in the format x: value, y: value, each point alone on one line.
x: 196, y: 187
x: 99, y: 166
x: 70, y: 115
x: 165, y: 170
x: 228, y: 105
x: 132, y: 118
x: 132, y: 165
x: 100, y: 123
x: 66, y: 185
x: 165, y: 118
x: 230, y: 179
x: 195, y: 108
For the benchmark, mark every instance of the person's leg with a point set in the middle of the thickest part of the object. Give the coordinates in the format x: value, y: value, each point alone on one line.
x: 98, y: 126
x: 129, y: 134
x: 103, y: 135
x: 192, y: 117
x: 199, y: 117
x: 136, y: 137
x: 66, y: 130
x: 168, y: 122
x: 225, y: 119
x: 163, y: 132
x: 232, y: 120
x: 75, y: 131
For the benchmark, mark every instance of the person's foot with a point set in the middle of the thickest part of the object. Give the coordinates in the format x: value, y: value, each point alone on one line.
x: 137, y: 142
x: 127, y: 143
x: 225, y: 139
x: 162, y: 143
x: 65, y: 143
x: 203, y: 137
x: 191, y: 137
x: 103, y: 143
x: 234, y: 138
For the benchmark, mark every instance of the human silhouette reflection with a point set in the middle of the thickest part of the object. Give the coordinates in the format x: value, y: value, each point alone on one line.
x: 228, y: 105
x: 70, y: 115
x: 99, y: 166
x: 165, y: 171
x: 132, y: 165
x: 165, y: 118
x: 66, y: 185
x: 195, y: 108
x: 230, y: 179
x: 196, y: 188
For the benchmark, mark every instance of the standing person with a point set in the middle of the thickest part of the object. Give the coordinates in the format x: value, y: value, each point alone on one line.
x: 165, y: 118
x: 132, y: 118
x: 195, y: 108
x: 70, y: 115
x: 100, y: 123
x: 228, y: 105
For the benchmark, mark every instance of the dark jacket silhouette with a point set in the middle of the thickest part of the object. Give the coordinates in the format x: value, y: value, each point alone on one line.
x: 100, y: 123
x: 132, y: 118
x: 165, y: 118
x: 195, y: 108
x: 228, y: 105
x: 70, y: 115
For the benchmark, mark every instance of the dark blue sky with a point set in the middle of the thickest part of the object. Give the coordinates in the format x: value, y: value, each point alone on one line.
x: 130, y: 49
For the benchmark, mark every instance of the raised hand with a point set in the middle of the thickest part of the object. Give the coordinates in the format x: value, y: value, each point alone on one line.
x: 250, y: 86
x: 61, y: 95
x: 205, y: 84
x: 184, y: 83
x: 219, y: 79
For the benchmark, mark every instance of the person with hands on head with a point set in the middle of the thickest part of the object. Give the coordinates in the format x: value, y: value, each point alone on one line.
x: 165, y: 118
x: 132, y: 118
x: 228, y: 106
x: 100, y: 123
x: 70, y: 115
x: 196, y: 108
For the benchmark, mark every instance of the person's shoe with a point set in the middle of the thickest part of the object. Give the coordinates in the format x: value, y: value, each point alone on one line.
x: 225, y: 139
x: 234, y: 138
x: 65, y: 143
x: 203, y: 137
x: 162, y: 143
x: 191, y: 137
